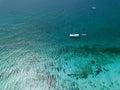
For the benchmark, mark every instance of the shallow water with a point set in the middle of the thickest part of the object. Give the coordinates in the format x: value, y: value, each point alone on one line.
x: 36, y: 52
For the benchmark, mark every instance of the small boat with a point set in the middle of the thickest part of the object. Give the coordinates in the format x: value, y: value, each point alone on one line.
x: 93, y: 8
x: 74, y: 35
x: 84, y: 34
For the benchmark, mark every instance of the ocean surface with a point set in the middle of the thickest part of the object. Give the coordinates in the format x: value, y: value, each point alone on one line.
x: 36, y: 52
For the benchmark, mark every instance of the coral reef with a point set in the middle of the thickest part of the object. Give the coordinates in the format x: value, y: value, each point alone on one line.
x: 101, y: 57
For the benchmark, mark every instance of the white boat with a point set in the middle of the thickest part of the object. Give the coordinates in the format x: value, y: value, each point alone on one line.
x: 74, y: 35
x: 93, y: 8
x: 84, y: 34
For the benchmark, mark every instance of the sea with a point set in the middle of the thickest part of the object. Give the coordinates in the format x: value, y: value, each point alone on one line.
x: 37, y: 53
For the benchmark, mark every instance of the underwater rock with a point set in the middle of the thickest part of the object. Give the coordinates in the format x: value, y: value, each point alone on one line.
x: 84, y: 75
x: 80, y: 75
x: 97, y: 72
x: 58, y: 69
x: 64, y: 70
x: 92, y: 61
x: 105, y: 69
x: 98, y: 67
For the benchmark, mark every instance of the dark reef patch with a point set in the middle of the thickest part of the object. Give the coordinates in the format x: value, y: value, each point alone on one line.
x: 77, y: 76
x: 101, y: 56
x: 111, y: 50
x: 88, y: 50
x: 83, y: 73
x: 92, y: 61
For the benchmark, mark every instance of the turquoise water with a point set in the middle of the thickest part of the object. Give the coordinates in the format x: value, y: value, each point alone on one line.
x: 36, y: 52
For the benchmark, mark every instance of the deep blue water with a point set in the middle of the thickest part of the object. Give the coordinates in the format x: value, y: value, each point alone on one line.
x: 36, y: 52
